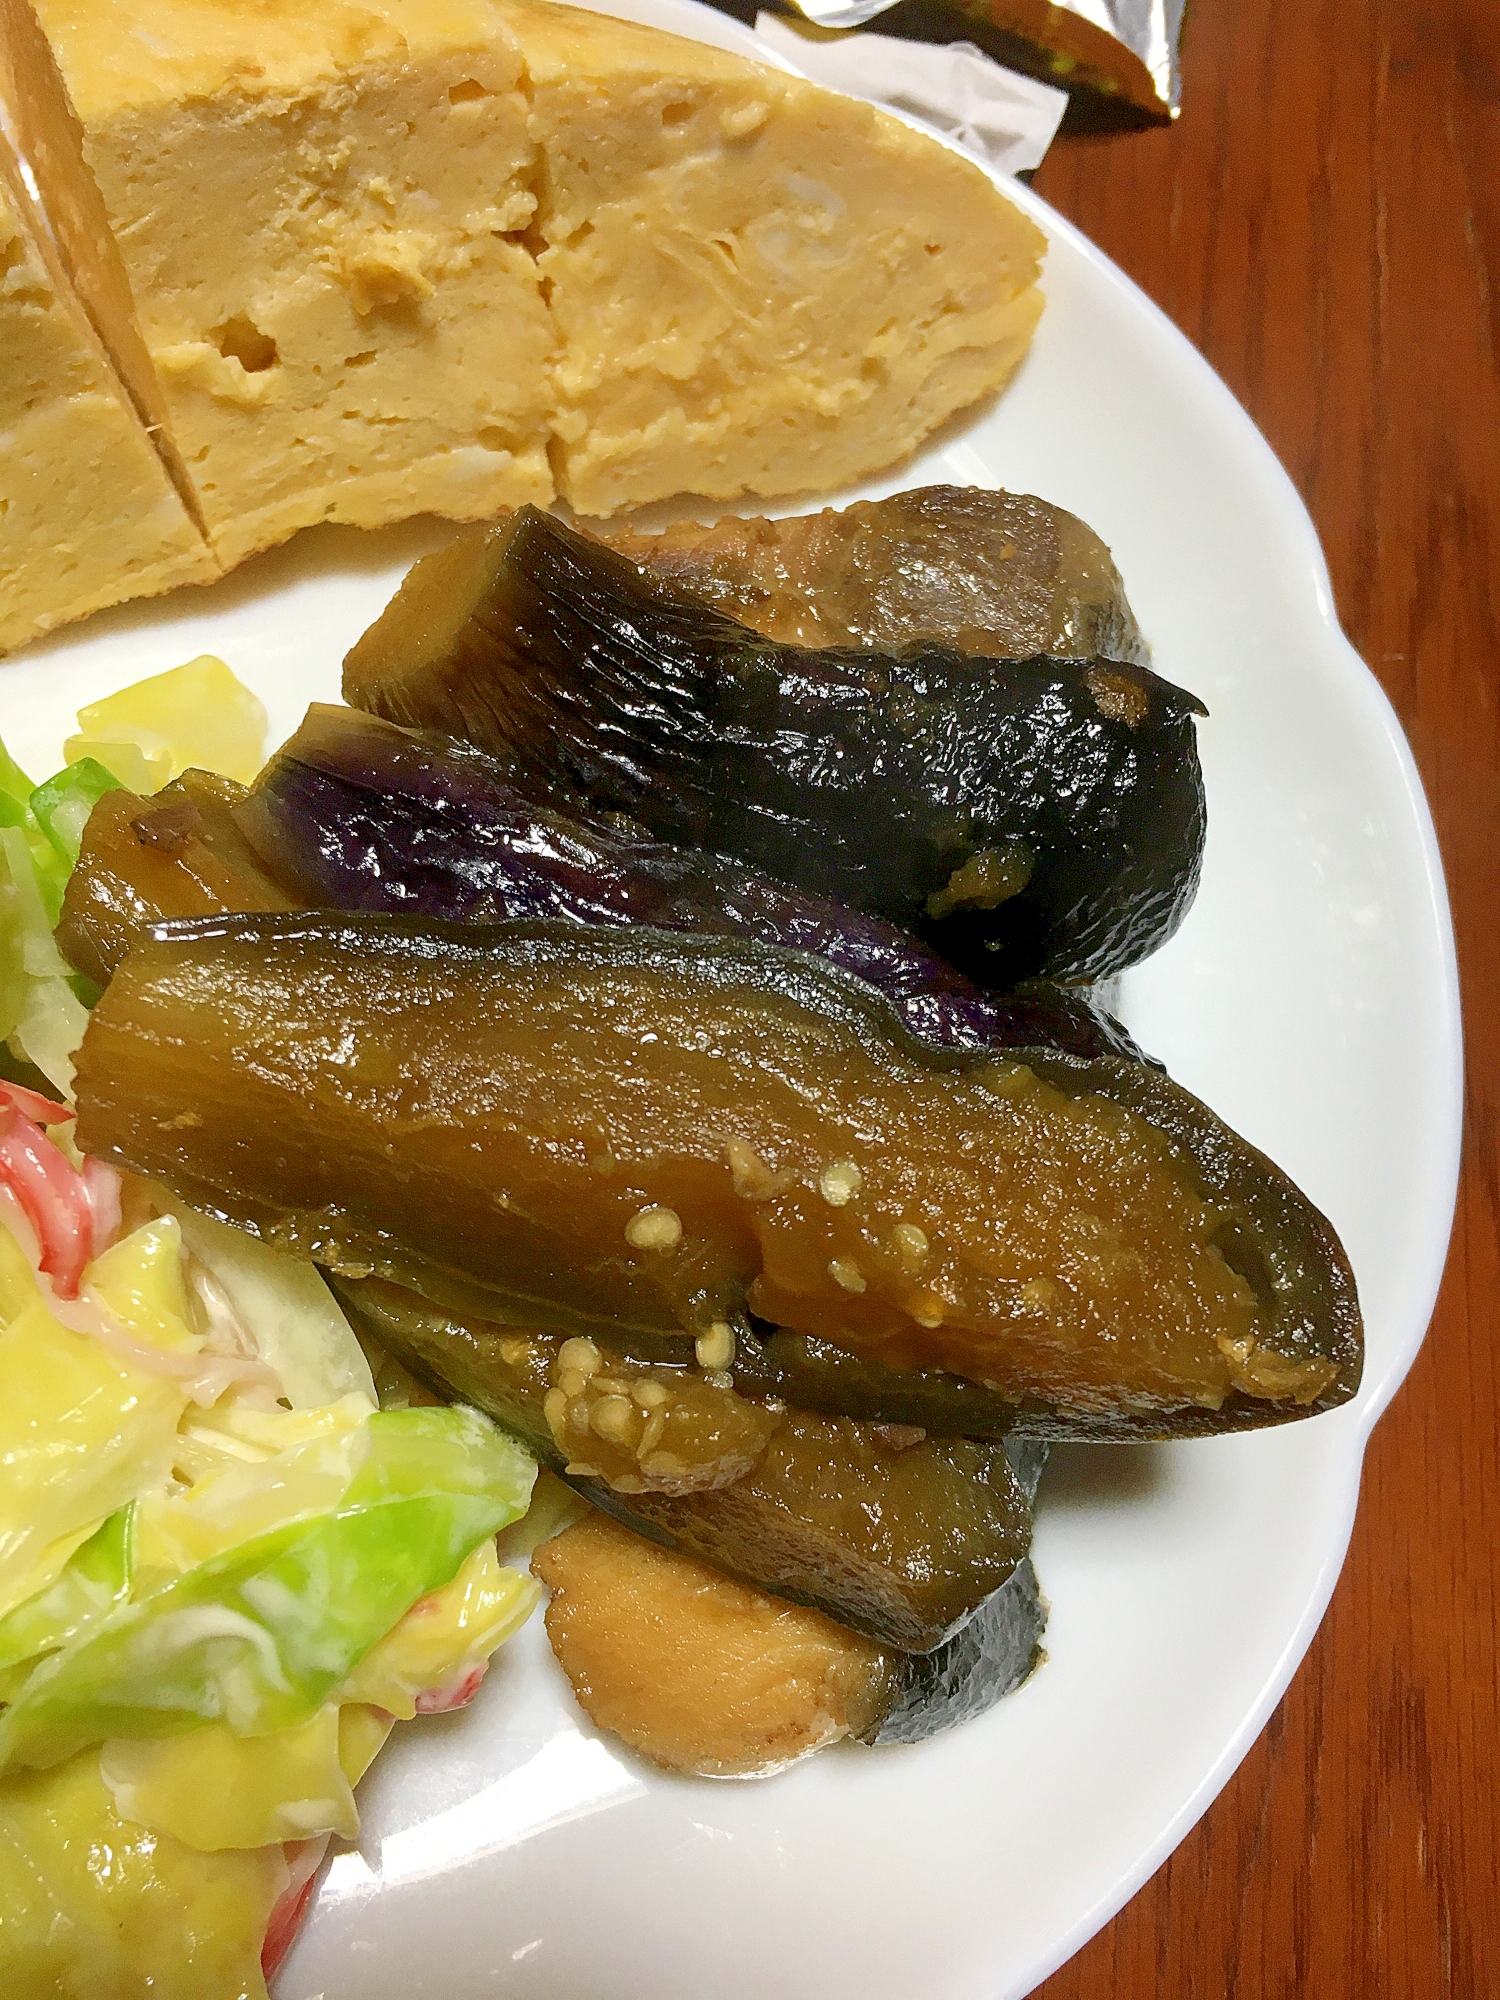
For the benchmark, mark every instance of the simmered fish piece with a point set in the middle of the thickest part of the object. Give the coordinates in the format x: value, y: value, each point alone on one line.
x: 698, y: 1672
x: 1003, y: 574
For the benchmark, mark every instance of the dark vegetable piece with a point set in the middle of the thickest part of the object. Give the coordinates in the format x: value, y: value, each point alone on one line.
x: 177, y: 854
x: 1004, y: 574
x: 901, y: 1544
x: 635, y: 1132
x: 354, y: 813
x: 897, y: 1697
x: 1027, y: 817
x: 987, y: 1658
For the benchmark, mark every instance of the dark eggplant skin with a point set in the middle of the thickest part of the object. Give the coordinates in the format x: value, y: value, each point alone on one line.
x: 131, y: 1080
x: 907, y: 1564
x: 987, y: 1658
x: 355, y: 813
x: 1028, y: 818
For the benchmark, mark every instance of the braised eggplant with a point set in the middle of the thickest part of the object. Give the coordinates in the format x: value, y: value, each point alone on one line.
x: 177, y: 854
x: 1027, y: 817
x: 817, y: 1375
x: 897, y: 1539
x: 987, y: 1658
x: 781, y: 1534
x: 1003, y: 574
x: 640, y: 1131
x: 354, y: 813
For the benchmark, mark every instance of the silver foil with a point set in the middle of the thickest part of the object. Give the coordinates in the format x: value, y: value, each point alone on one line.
x: 1149, y: 29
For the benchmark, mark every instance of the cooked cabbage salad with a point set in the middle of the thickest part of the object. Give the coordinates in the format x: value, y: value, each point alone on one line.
x: 226, y: 1571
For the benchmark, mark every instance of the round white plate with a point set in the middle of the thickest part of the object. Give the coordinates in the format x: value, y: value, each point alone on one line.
x: 1310, y: 997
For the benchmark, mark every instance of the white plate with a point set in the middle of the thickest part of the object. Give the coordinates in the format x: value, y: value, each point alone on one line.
x: 1310, y: 997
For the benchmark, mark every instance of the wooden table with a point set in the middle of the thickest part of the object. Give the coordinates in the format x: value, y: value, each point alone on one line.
x: 1324, y: 222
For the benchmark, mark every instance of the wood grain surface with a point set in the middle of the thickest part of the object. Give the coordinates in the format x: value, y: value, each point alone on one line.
x: 1324, y: 222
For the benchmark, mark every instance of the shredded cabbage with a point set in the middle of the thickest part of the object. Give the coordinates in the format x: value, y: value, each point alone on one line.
x: 251, y: 1473
x: 144, y: 736
x: 282, y: 1303
x: 41, y: 1014
x: 42, y: 1011
x: 260, y: 1636
x: 446, y: 1636
x: 80, y: 1436
x: 224, y: 1571
x: 61, y: 810
x: 199, y: 716
x: 214, y: 1789
x: 95, y: 1908
x: 97, y: 1578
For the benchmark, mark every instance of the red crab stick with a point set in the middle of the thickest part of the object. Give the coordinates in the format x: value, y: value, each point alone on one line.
x: 52, y: 1193
x: 303, y: 1860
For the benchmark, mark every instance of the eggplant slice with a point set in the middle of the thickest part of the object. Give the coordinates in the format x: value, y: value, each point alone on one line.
x: 354, y: 813
x: 903, y: 1541
x: 894, y: 1566
x: 177, y: 854
x: 637, y: 1133
x: 1038, y: 817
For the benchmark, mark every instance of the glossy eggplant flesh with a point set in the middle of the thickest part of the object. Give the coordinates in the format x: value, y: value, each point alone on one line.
x: 896, y: 1537
x: 1035, y: 817
x: 354, y: 813
x: 817, y: 1375
x: 177, y: 854
x: 1003, y: 574
x: 639, y: 1131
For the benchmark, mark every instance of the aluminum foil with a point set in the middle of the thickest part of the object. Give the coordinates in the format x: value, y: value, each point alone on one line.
x: 1120, y: 53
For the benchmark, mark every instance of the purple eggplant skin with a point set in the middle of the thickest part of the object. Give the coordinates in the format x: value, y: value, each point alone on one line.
x: 1028, y: 818
x: 357, y: 814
